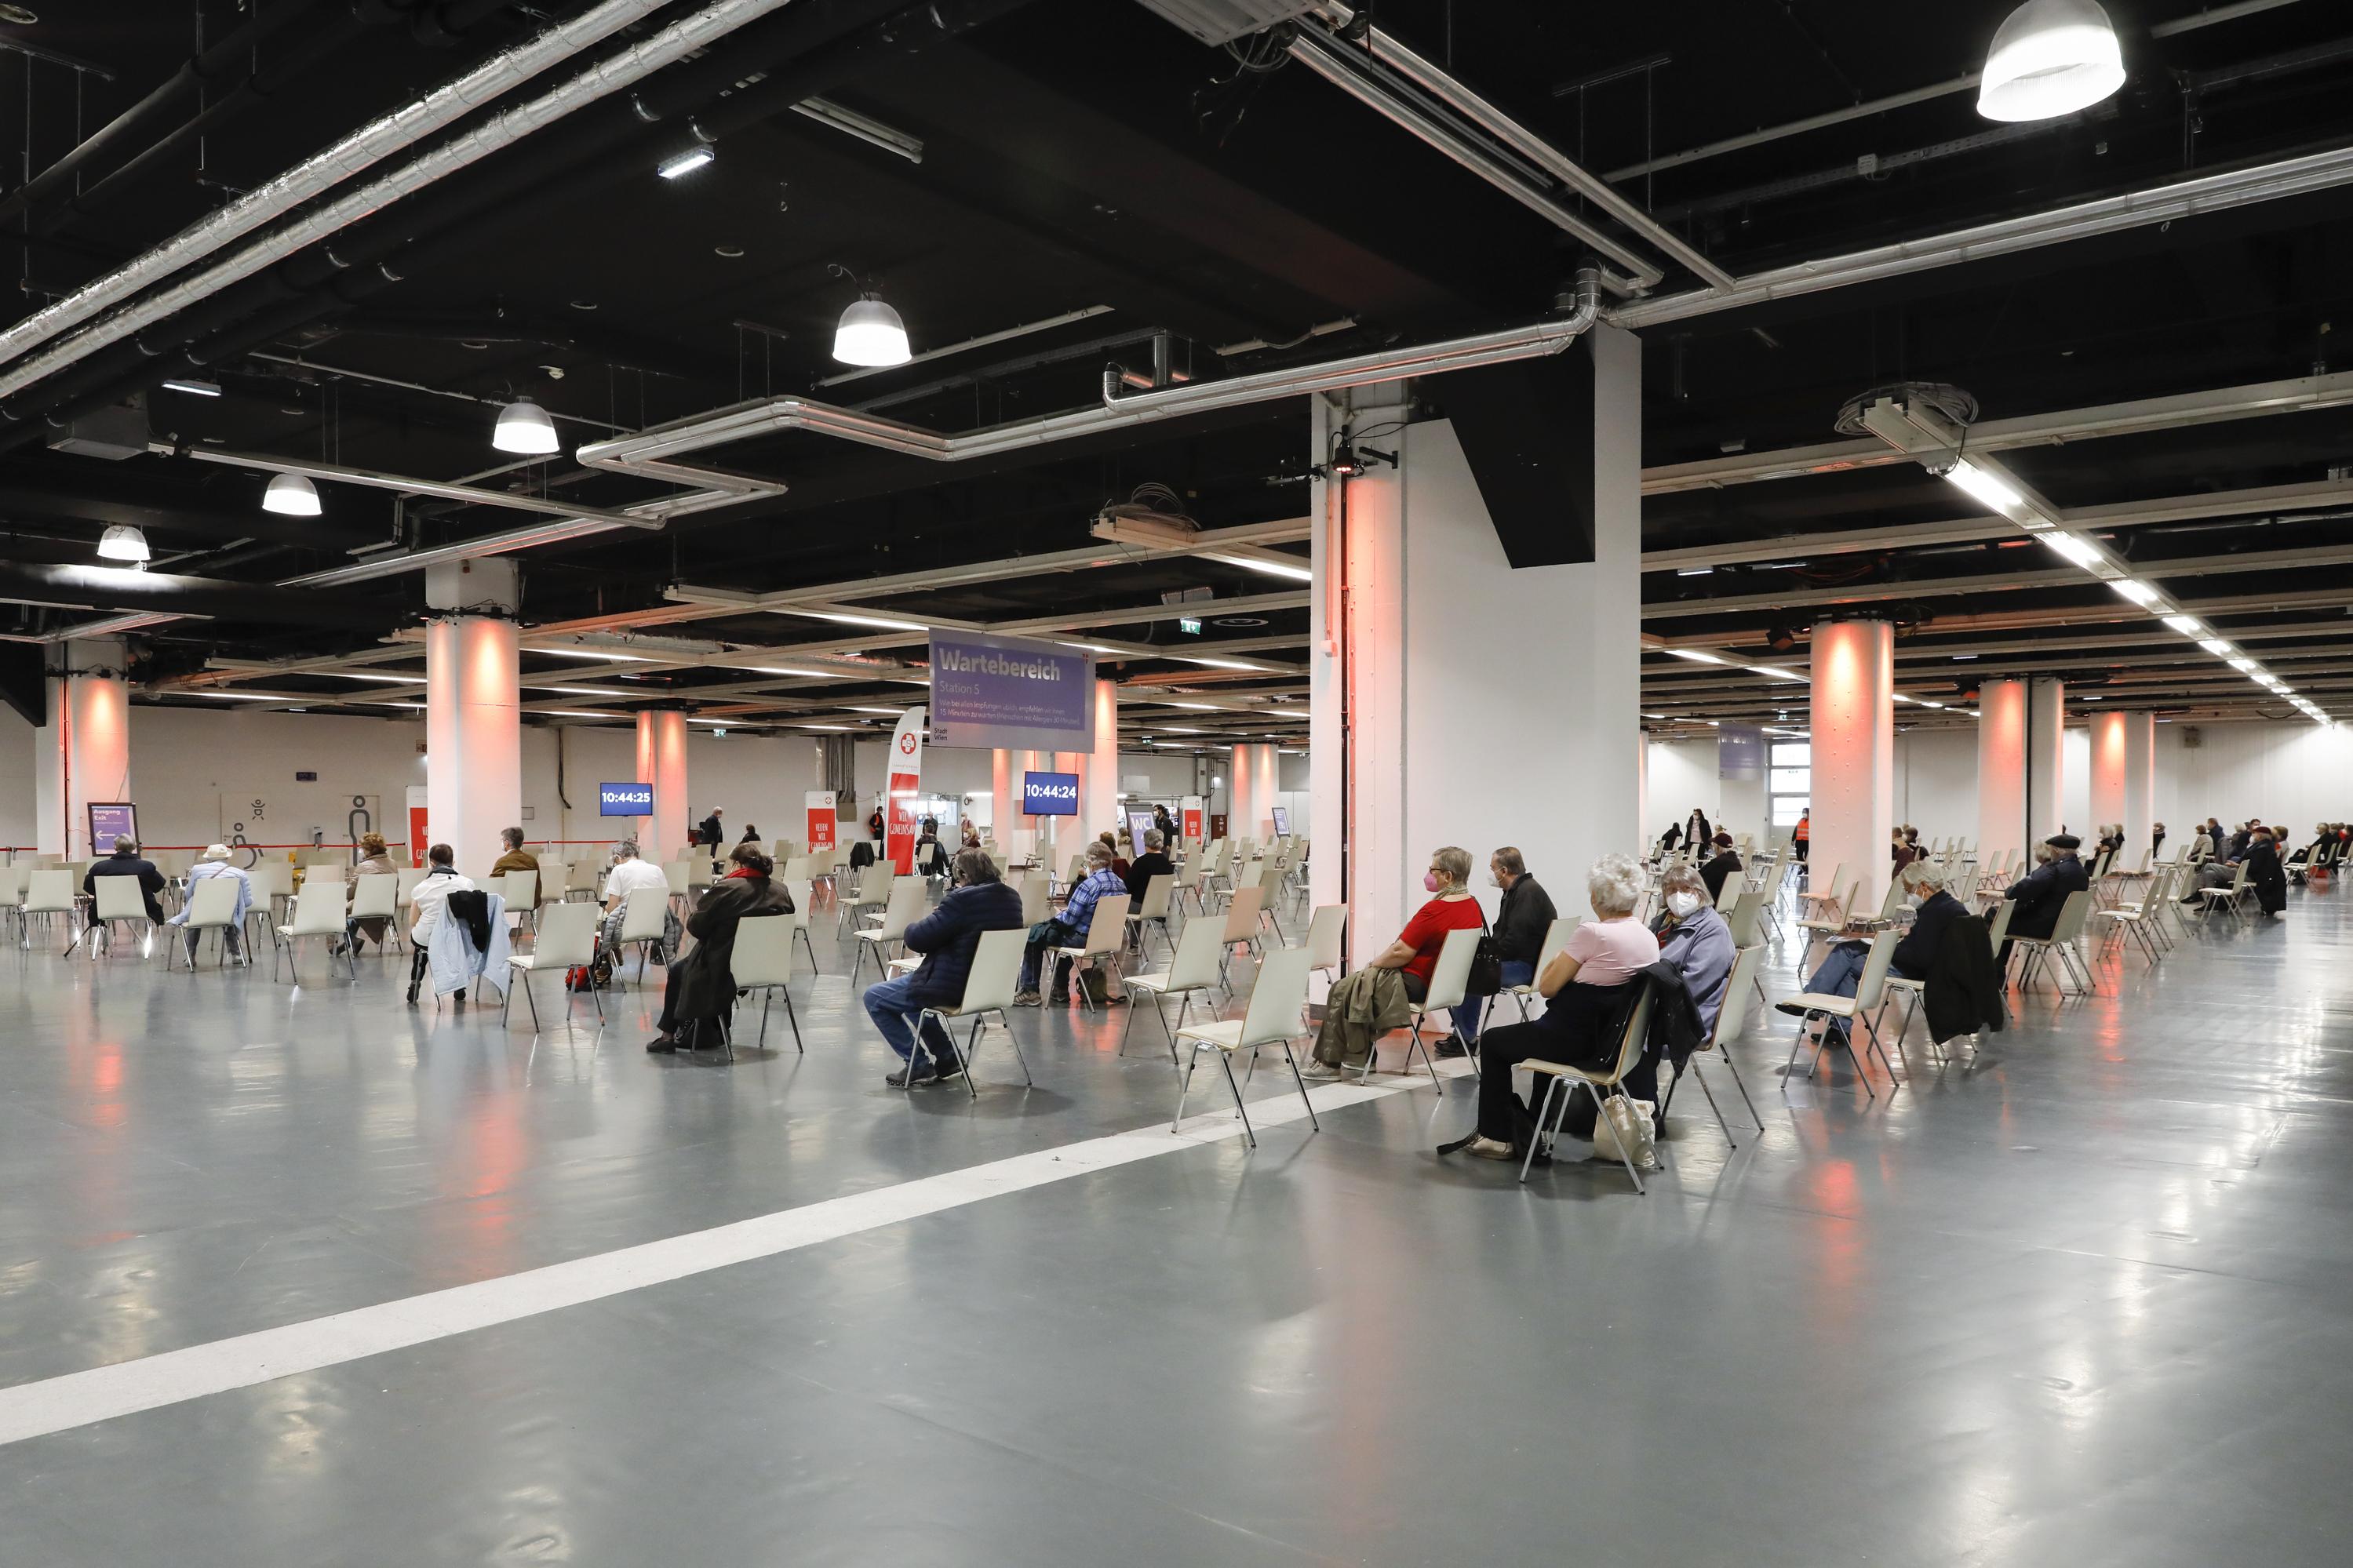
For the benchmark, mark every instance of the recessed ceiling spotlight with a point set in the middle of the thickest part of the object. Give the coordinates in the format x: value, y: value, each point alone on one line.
x: 584, y: 304
x: 685, y: 162
x: 729, y: 251
x: 193, y: 388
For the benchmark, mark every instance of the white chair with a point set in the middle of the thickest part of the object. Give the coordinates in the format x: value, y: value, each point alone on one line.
x: 320, y: 914
x: 1188, y: 880
x: 2073, y: 915
x: 12, y: 887
x: 1857, y: 1008
x: 213, y: 908
x: 798, y: 890
x: 1447, y: 979
x: 1272, y: 1018
x: 676, y: 874
x: 2235, y: 894
x: 273, y: 886
x: 118, y: 900
x: 376, y: 897
x: 1034, y: 886
x: 762, y: 960
x: 1240, y: 927
x: 1325, y: 930
x: 989, y: 987
x: 1731, y: 1018
x: 908, y: 897
x: 1193, y: 968
x: 873, y: 893
x: 567, y: 940
x: 1156, y: 895
x: 1106, y: 929
x: 644, y: 915
x: 1555, y: 938
x: 1632, y: 1042
x: 46, y: 892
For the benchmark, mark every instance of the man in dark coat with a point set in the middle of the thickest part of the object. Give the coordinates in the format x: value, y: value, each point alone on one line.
x: 712, y: 833
x: 2264, y: 873
x: 701, y: 985
x: 2043, y: 892
x: 977, y: 901
x: 1152, y: 862
x: 125, y: 862
x: 1724, y: 865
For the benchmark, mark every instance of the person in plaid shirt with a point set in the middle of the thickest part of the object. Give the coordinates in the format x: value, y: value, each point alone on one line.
x: 1078, y: 911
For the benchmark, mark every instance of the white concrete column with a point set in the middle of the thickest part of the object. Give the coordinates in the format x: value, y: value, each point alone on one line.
x: 473, y: 737
x: 2046, y: 754
x: 2002, y: 768
x: 2107, y: 765
x: 661, y: 762
x: 1853, y: 755
x: 1251, y: 781
x: 1417, y: 744
x: 1004, y: 803
x: 2140, y: 815
x: 1102, y: 762
x: 83, y: 753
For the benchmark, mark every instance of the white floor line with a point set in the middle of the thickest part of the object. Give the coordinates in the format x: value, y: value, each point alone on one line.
x: 100, y: 1394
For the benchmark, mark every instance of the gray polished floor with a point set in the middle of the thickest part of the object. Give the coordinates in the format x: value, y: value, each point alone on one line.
x: 2082, y: 1300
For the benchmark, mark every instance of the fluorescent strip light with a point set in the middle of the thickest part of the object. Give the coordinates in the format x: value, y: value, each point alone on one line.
x: 1173, y: 730
x: 804, y: 674
x: 1775, y: 674
x: 862, y: 620
x: 2185, y: 625
x: 2216, y: 647
x: 194, y: 388
x: 1693, y: 654
x: 686, y: 162
x: 2137, y: 592
x: 593, y: 653
x: 1301, y: 573
x: 1091, y: 647
x: 1985, y: 487
x: 1924, y: 703
x: 356, y: 675
x: 2081, y: 550
x: 2242, y: 665
x: 1901, y: 697
x: 828, y: 726
x: 1219, y: 663
x: 1697, y: 572
x: 240, y: 696
x: 583, y: 690
x: 1205, y: 707
x: 891, y: 712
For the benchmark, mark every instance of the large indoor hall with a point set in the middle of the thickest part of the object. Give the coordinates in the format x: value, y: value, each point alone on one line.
x: 1174, y: 782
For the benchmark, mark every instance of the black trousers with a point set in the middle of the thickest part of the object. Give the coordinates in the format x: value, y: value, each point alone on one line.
x: 670, y: 1023
x: 1569, y: 1031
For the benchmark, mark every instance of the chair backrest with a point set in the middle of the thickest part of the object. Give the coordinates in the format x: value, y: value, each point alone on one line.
x: 1874, y: 971
x: 642, y: 915
x: 1077, y: 872
x: 214, y: 903
x: 763, y: 954
x: 1637, y: 1038
x: 2237, y: 883
x: 1732, y: 1013
x: 49, y: 890
x: 1998, y: 928
x: 406, y: 892
x: 794, y: 870
x: 119, y: 899
x: 567, y: 935
x: 372, y: 895
x: 1241, y: 914
x: 1033, y: 899
x: 905, y: 907
x: 874, y: 888
x: 325, y: 871
x: 522, y: 891
x: 1324, y: 933
x: 2072, y: 916
x: 319, y: 912
x: 1830, y: 887
x: 12, y: 884
x: 271, y: 879
x: 674, y: 873
x: 797, y: 889
x: 1156, y: 893
x: 1452, y: 969
x: 1557, y: 937
x: 1270, y: 879
x: 1894, y: 901
x: 1197, y: 951
x: 1744, y: 918
x: 1107, y: 923
x: 1277, y: 998
x: 995, y: 971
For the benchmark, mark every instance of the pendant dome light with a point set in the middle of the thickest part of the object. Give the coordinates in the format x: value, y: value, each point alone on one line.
x: 2051, y: 57
x: 292, y: 495
x: 871, y: 334
x: 123, y: 542
x: 524, y: 427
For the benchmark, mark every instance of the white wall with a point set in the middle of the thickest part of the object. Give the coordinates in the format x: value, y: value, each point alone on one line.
x: 1936, y: 783
x: 17, y: 824
x: 2075, y: 782
x: 1682, y: 775
x: 2293, y: 774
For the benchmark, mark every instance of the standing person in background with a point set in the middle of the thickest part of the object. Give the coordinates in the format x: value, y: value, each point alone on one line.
x: 874, y: 825
x: 1697, y: 833
x: 712, y: 834
x: 2157, y: 842
x: 1165, y: 823
x: 1798, y: 834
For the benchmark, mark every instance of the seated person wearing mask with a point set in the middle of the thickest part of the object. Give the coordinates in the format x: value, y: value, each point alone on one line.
x: 977, y: 901
x: 1841, y: 972
x: 1581, y: 986
x: 431, y: 900
x: 1367, y: 1003
x: 2043, y: 892
x: 1523, y: 921
x: 215, y: 862
x: 628, y: 876
x: 1152, y: 862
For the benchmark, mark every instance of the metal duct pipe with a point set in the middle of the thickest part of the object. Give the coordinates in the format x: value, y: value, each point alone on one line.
x: 219, y: 60
x: 1353, y: 73
x: 316, y: 174
x: 1541, y: 152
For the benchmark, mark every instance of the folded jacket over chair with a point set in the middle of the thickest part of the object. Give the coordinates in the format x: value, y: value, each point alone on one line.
x: 458, y: 958
x: 1362, y: 1008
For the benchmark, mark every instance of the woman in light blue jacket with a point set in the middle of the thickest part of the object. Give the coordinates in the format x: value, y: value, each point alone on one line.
x: 215, y: 862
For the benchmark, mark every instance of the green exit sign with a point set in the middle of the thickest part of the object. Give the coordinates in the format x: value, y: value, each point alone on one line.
x: 1190, y: 628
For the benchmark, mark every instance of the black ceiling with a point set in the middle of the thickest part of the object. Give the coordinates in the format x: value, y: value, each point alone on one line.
x: 1085, y: 153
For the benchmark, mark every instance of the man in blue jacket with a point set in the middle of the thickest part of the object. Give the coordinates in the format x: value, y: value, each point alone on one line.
x: 977, y: 901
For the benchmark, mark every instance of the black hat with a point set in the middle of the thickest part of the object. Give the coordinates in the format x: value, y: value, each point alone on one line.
x: 2064, y: 841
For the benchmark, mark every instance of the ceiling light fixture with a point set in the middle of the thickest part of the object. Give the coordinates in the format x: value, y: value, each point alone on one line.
x: 871, y: 334
x: 2242, y: 665
x: 2215, y: 645
x: 124, y: 543
x: 2185, y: 625
x: 2081, y: 550
x: 862, y: 620
x: 523, y: 427
x: 1693, y: 654
x: 292, y: 495
x: 2137, y: 592
x: 1219, y: 663
x: 1300, y: 573
x: 886, y: 712
x: 2051, y: 57
x: 1773, y: 673
x: 194, y: 388
x: 1984, y: 487
x: 685, y: 162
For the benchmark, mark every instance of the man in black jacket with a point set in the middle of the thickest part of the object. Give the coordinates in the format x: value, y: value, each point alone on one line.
x: 1938, y: 909
x: 1152, y: 862
x: 125, y: 862
x: 977, y: 901
x: 1725, y: 864
x: 2043, y: 892
x: 712, y: 835
x: 701, y: 985
x: 1522, y: 923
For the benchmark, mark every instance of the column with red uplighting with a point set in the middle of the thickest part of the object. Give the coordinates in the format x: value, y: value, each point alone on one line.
x: 1853, y: 797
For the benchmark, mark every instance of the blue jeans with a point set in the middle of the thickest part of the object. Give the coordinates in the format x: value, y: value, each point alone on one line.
x: 888, y: 1004
x: 1839, y: 975
x: 1472, y: 1016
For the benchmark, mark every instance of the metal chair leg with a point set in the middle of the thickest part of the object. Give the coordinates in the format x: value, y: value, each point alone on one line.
x: 1226, y: 1059
x: 1537, y: 1134
x: 1299, y: 1078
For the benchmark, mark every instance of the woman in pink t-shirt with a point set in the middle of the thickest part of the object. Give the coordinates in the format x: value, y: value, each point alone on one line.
x: 1582, y: 987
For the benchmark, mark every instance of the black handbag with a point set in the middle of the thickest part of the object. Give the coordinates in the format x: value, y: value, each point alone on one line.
x: 1486, y: 975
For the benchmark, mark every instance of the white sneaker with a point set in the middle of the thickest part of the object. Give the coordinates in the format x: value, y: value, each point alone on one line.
x: 1318, y: 1071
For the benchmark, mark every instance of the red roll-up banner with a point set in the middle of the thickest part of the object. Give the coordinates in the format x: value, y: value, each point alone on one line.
x: 901, y: 821
x: 821, y: 818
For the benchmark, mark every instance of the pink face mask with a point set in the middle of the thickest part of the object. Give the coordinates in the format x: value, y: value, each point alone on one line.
x: 1430, y: 882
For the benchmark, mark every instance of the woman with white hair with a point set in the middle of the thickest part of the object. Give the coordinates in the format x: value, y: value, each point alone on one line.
x: 1581, y: 986
x: 217, y: 861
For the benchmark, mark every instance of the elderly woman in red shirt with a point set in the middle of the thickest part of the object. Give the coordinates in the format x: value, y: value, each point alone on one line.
x: 1351, y: 1023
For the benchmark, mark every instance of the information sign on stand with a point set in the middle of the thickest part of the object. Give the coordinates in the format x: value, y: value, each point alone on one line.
x: 822, y: 817
x: 901, y: 822
x: 109, y: 821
